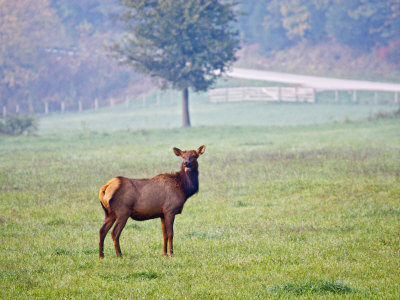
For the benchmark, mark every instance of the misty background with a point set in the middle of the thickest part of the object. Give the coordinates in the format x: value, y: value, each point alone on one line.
x: 55, y: 52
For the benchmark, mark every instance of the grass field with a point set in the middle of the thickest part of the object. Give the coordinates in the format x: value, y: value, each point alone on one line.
x: 305, y: 207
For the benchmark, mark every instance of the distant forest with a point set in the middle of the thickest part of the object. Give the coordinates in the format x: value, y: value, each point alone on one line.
x: 54, y: 51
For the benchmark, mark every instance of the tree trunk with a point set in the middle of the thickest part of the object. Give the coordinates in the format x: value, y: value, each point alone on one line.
x: 185, y: 108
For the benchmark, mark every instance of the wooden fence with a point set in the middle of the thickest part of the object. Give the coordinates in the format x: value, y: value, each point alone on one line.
x: 61, y: 107
x: 49, y: 107
x: 280, y: 94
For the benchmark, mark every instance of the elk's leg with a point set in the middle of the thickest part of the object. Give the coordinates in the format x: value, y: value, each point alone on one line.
x: 116, y: 232
x: 165, y: 238
x: 108, y: 223
x: 169, y: 224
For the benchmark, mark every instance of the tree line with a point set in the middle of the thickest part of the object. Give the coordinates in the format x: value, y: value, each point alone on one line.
x: 52, y: 51
x: 363, y: 24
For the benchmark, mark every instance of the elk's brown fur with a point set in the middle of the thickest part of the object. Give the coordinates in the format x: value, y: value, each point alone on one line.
x: 162, y: 196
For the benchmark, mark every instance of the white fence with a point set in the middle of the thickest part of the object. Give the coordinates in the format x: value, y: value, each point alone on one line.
x: 281, y: 94
x: 61, y: 107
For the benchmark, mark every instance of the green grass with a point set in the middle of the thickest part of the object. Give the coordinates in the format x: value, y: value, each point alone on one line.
x: 308, y: 211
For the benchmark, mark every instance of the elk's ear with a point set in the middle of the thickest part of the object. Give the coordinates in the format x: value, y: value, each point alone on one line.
x: 201, y: 150
x: 178, y: 152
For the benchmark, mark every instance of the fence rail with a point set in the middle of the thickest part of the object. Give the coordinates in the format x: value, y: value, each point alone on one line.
x: 271, y: 94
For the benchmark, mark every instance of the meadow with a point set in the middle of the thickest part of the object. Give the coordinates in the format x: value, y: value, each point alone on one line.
x: 294, y: 201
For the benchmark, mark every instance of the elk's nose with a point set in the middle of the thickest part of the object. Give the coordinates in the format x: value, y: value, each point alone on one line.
x: 186, y: 164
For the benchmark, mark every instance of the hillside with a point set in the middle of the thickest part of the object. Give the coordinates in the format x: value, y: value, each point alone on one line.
x: 326, y: 59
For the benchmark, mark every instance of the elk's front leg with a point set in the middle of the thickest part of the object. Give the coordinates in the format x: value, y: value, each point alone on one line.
x: 169, y: 224
x: 165, y: 237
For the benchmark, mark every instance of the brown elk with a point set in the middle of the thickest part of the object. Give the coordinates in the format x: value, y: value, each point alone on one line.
x: 162, y: 196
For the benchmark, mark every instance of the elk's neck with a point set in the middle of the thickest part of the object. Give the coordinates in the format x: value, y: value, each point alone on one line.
x: 190, y: 182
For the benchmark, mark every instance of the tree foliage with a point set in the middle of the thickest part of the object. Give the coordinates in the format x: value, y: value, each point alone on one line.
x: 25, y: 28
x: 362, y: 24
x: 182, y: 42
x: 52, y: 51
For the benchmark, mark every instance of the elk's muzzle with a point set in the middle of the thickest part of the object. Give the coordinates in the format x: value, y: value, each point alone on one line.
x: 187, y: 167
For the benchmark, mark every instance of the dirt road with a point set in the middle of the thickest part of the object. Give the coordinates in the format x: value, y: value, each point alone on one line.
x: 319, y: 83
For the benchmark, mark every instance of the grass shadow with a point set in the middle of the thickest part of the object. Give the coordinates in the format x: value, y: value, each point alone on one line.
x: 312, y: 287
x: 148, y: 275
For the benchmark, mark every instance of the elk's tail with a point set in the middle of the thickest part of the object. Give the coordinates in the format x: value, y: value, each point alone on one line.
x: 106, y: 193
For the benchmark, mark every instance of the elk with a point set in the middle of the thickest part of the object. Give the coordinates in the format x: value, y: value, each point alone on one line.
x: 162, y: 196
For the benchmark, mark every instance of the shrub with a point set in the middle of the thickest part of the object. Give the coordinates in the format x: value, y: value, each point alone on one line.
x: 18, y: 125
x: 313, y: 287
x: 385, y: 115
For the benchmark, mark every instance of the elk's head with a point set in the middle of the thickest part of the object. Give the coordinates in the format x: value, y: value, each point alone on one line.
x: 190, y: 158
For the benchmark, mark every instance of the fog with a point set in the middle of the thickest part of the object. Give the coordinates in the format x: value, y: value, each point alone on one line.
x: 56, y: 56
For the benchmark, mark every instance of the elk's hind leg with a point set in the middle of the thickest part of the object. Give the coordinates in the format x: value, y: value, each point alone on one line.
x: 116, y: 232
x: 108, y: 223
x: 165, y: 238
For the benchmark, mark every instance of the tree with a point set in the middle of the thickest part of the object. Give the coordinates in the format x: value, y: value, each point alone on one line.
x: 347, y: 26
x: 185, y: 43
x: 297, y: 20
x: 365, y: 24
x: 383, y: 25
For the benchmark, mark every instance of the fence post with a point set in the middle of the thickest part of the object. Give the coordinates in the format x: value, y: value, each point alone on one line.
x: 96, y: 104
x: 31, y: 111
x: 62, y: 106
x: 314, y: 99
x: 296, y: 94
x: 111, y: 102
x: 354, y: 96
x: 17, y: 109
x: 4, y: 111
x: 46, y: 108
x: 144, y: 101
x: 80, y: 106
x: 396, y: 97
x: 127, y: 101
x: 279, y: 94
